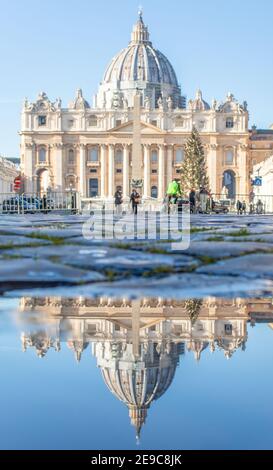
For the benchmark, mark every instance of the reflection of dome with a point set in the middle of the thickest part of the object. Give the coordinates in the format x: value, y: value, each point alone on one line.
x: 197, y: 347
x: 139, y: 66
x: 230, y: 345
x: 139, y: 381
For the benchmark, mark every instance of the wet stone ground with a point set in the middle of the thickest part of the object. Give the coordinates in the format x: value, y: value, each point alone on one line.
x: 228, y: 255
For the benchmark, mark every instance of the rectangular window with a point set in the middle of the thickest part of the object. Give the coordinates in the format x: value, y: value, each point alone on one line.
x: 154, y: 123
x: 42, y: 120
x: 93, y: 187
x: 93, y: 154
x: 228, y: 329
x: 154, y: 172
x: 93, y: 122
x: 93, y: 170
x: 229, y: 157
x: 179, y: 155
x: 154, y: 156
x: 119, y: 170
x: 229, y: 123
x: 118, y: 122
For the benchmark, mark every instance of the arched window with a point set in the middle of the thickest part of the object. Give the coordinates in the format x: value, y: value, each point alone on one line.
x: 154, y: 156
x: 229, y: 123
x: 94, y: 154
x: 42, y: 155
x: 118, y: 156
x: 229, y: 157
x: 71, y: 158
x: 179, y: 155
x: 154, y: 192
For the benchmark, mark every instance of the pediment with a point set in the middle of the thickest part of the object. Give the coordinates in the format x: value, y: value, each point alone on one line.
x: 127, y: 128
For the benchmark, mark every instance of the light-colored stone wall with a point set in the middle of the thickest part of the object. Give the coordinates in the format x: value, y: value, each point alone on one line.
x: 8, y: 172
x: 81, y: 129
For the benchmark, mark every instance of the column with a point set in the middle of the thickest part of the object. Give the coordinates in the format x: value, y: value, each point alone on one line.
x: 102, y: 171
x: 213, y: 170
x: 58, y: 163
x: 147, y: 172
x: 111, y: 174
x: 169, y: 163
x: 126, y: 187
x: 161, y: 172
x: 82, y: 187
x: 29, y: 167
x: 244, y: 187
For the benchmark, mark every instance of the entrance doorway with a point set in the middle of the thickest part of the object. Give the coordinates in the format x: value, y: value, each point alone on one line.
x: 229, y: 182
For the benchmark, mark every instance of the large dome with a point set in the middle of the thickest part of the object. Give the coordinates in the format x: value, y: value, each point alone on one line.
x: 139, y: 66
x: 141, y: 61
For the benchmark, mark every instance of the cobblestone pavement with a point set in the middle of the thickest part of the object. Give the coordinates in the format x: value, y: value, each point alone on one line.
x: 48, y: 255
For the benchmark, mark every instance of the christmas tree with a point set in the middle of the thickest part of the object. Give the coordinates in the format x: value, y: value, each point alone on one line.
x: 193, y: 169
x: 193, y: 307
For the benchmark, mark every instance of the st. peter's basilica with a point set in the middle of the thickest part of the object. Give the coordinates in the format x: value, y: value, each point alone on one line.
x: 89, y: 147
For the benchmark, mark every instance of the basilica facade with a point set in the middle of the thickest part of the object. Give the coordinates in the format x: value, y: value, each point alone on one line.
x: 88, y: 148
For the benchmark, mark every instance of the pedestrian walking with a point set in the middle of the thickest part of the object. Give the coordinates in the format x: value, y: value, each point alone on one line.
x: 44, y: 204
x: 239, y: 207
x: 192, y: 198
x: 203, y: 194
x: 135, y: 200
x: 244, y: 207
x: 118, y: 200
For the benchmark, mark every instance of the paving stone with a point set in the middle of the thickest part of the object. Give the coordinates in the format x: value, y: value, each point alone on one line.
x: 261, y: 238
x: 13, y: 240
x: 212, y: 249
x: 105, y: 257
x: 52, y: 232
x: 41, y: 272
x: 251, y: 266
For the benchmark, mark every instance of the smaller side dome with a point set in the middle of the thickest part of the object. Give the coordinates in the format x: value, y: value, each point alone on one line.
x: 198, y: 104
x: 79, y: 102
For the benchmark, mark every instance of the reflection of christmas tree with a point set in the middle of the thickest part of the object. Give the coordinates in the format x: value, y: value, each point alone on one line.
x: 193, y: 307
x: 193, y: 169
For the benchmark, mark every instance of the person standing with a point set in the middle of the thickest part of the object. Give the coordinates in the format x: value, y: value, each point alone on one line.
x: 118, y: 200
x: 203, y: 200
x: 239, y: 207
x: 135, y: 200
x: 192, y: 198
x: 244, y: 207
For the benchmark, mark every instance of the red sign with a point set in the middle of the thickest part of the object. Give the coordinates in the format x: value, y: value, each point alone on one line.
x: 17, y: 184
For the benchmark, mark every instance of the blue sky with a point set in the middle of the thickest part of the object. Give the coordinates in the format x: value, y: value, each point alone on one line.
x: 59, y: 46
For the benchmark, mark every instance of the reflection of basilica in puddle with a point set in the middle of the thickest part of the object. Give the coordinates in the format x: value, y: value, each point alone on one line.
x: 138, y: 344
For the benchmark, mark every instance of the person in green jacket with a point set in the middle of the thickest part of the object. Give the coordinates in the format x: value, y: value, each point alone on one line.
x: 173, y: 192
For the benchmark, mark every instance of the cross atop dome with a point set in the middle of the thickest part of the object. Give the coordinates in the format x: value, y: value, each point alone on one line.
x: 140, y: 12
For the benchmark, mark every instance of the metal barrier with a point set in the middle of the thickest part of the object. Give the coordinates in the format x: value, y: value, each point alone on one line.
x: 12, y: 203
x: 146, y: 205
x: 71, y: 202
x: 242, y: 204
